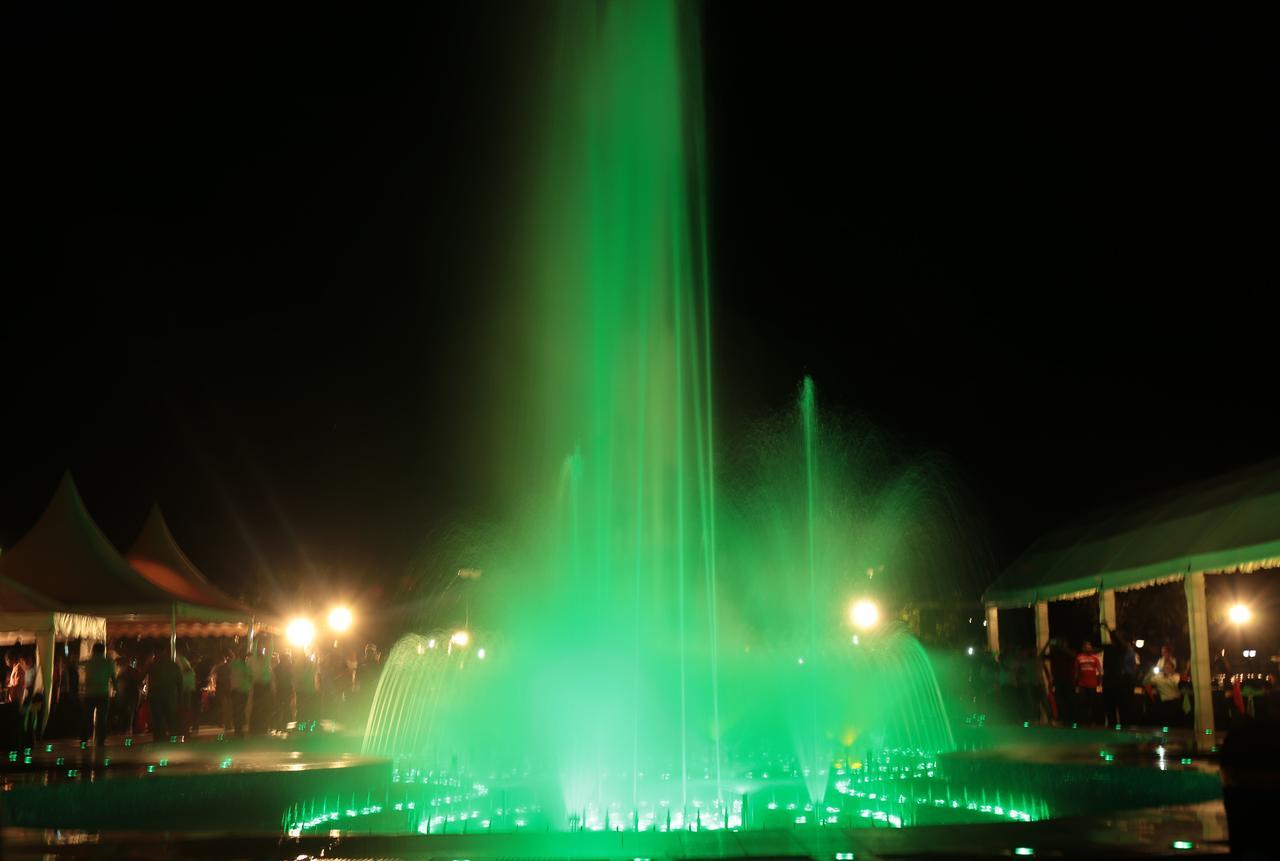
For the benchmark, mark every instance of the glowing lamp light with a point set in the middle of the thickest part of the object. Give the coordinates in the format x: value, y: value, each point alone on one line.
x: 460, y: 638
x: 970, y: 650
x: 481, y: 653
x: 1239, y: 614
x: 865, y: 614
x: 300, y: 632
x: 340, y: 619
x: 1139, y: 643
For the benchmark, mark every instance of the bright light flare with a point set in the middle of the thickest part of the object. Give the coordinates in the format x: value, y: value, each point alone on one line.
x: 1239, y: 614
x: 300, y: 632
x: 460, y: 638
x: 340, y: 619
x: 865, y: 614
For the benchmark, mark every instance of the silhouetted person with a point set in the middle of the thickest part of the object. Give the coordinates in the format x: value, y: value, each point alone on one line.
x: 1060, y: 661
x: 1022, y: 669
x: 128, y: 692
x: 99, y: 679
x: 306, y: 683
x: 188, y: 704
x: 263, y: 705
x: 241, y: 685
x: 221, y: 674
x: 1119, y: 678
x: 285, y: 710
x: 164, y: 688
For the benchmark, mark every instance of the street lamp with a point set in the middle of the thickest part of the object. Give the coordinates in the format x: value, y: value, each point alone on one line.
x: 1239, y: 614
x: 340, y: 619
x: 300, y: 632
x: 865, y: 614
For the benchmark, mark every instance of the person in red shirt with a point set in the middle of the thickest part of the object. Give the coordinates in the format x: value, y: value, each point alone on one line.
x: 1088, y: 676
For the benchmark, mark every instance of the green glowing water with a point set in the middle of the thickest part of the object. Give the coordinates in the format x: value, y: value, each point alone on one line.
x: 665, y: 637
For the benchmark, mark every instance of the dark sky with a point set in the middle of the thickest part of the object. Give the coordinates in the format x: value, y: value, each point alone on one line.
x: 250, y: 260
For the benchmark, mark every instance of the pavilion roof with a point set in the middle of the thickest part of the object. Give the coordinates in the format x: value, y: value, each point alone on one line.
x: 1227, y: 523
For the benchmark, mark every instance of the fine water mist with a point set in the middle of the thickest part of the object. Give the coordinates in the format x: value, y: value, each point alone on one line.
x: 659, y: 639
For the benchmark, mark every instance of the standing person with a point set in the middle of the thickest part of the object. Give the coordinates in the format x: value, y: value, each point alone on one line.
x: 241, y: 685
x: 128, y: 692
x: 33, y: 701
x: 63, y: 705
x: 1086, y: 675
x: 221, y: 676
x: 1119, y: 677
x: 99, y: 679
x: 164, y: 688
x: 285, y: 709
x: 263, y: 692
x: 306, y: 681
x: 16, y: 683
x: 367, y: 674
x: 1024, y: 685
x: 1060, y: 662
x: 188, y: 705
x: 1162, y: 687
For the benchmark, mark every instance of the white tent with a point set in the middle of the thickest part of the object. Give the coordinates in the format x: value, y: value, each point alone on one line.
x: 25, y: 615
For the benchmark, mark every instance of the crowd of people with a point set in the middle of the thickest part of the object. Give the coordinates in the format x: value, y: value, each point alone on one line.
x: 1083, y: 686
x: 142, y: 688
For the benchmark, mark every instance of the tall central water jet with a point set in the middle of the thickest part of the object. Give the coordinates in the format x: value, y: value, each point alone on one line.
x: 654, y: 655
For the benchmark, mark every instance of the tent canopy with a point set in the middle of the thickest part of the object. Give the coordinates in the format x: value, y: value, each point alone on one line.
x: 16, y: 598
x: 59, y: 625
x: 66, y: 557
x: 158, y: 558
x: 27, y: 615
x: 1227, y: 523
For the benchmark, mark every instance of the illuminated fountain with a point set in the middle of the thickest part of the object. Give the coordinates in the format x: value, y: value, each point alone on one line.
x: 669, y: 641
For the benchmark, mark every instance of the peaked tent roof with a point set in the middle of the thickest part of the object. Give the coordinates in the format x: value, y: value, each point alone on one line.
x: 66, y: 557
x: 158, y: 558
x: 1227, y: 523
x: 16, y: 598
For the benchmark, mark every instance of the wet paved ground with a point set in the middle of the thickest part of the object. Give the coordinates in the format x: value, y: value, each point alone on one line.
x: 1186, y: 831
x: 212, y: 789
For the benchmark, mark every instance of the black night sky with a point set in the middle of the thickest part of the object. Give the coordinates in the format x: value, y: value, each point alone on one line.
x: 251, y: 260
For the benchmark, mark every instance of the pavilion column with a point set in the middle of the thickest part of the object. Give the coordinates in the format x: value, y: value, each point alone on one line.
x: 993, y: 629
x: 1042, y: 640
x: 1106, y: 613
x: 1201, y: 686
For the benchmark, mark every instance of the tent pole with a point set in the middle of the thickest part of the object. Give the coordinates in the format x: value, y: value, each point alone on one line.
x: 1042, y: 640
x: 993, y: 629
x: 173, y: 631
x: 46, y: 648
x: 1201, y: 687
